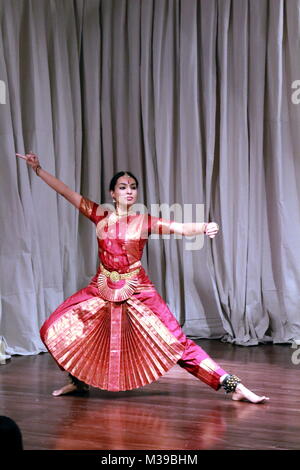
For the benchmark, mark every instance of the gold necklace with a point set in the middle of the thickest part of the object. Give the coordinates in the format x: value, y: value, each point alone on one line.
x: 121, y: 215
x: 114, y: 216
x: 130, y: 212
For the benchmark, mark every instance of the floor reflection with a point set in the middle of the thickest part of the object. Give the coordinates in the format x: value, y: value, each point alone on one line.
x: 101, y: 424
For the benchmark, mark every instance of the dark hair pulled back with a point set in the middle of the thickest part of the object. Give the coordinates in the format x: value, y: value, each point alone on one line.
x: 115, y: 178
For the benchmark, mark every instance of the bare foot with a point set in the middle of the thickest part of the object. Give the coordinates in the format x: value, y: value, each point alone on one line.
x: 69, y: 388
x: 244, y: 394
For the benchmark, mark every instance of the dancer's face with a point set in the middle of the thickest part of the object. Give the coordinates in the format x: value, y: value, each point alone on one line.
x: 125, y: 192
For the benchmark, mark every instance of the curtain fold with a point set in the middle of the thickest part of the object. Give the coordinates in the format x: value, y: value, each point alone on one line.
x: 193, y: 97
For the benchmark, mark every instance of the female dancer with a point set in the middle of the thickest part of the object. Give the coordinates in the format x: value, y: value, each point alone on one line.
x: 118, y: 333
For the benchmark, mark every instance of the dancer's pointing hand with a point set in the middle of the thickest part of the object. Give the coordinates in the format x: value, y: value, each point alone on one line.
x: 31, y: 159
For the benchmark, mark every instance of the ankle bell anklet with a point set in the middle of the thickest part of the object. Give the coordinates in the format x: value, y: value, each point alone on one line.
x: 230, y: 383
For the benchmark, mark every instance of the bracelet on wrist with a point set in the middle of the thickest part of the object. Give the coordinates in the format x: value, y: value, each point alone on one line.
x: 37, y: 169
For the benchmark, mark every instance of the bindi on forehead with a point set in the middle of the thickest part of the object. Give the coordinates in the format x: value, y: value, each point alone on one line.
x: 127, y: 181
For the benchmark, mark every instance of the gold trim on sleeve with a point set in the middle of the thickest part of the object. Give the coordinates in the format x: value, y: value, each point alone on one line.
x: 86, y: 206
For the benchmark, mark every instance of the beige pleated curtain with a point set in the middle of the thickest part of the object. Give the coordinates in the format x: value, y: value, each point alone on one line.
x: 195, y: 98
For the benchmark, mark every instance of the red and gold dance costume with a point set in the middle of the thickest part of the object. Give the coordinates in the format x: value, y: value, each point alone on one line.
x: 118, y: 333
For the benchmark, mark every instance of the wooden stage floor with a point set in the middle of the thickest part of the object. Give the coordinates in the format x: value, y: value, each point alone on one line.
x: 176, y: 412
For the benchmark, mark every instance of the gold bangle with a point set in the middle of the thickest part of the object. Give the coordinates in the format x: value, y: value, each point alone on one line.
x: 38, y: 168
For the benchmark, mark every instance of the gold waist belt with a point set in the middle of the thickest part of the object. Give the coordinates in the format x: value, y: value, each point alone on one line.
x: 115, y: 276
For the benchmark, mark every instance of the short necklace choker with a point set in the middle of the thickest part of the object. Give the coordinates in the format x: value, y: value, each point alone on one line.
x: 123, y: 215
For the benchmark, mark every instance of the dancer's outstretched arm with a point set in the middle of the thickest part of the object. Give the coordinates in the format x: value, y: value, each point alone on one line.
x: 162, y: 226
x: 208, y: 228
x: 59, y: 186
